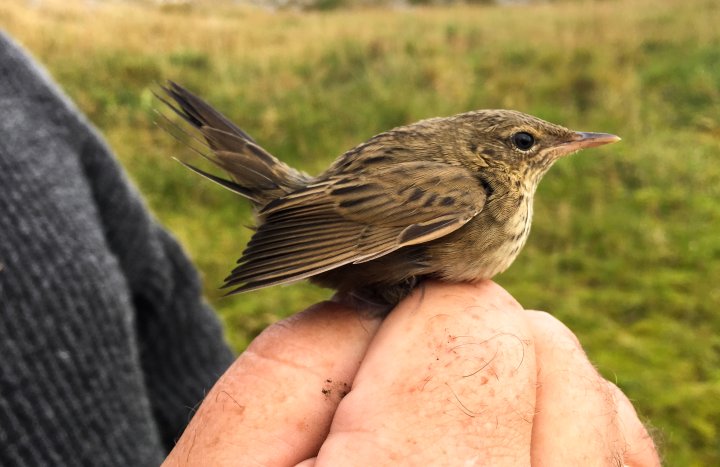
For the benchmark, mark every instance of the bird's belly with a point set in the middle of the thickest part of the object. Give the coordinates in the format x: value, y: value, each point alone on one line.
x: 484, y: 247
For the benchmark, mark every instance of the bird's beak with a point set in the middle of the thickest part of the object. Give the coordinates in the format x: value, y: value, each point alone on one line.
x: 581, y: 140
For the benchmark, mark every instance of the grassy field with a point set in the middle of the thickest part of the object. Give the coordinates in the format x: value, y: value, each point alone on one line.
x: 625, y: 246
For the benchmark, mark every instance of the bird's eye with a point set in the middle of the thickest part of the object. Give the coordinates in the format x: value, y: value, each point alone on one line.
x: 523, y: 140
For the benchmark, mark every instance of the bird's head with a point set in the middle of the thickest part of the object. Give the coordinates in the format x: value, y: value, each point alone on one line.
x: 521, y: 145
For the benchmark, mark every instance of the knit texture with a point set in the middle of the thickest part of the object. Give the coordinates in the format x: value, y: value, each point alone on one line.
x: 105, y: 342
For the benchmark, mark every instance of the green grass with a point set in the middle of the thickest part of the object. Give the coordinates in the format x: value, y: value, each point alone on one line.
x: 625, y: 246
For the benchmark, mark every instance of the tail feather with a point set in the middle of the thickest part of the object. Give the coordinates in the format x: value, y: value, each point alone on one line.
x: 255, y: 173
x: 232, y: 186
x: 198, y: 112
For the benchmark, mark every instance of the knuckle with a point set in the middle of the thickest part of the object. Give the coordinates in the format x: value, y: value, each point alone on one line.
x: 547, y: 326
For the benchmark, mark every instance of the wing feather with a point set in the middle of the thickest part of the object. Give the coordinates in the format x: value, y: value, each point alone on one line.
x: 348, y: 219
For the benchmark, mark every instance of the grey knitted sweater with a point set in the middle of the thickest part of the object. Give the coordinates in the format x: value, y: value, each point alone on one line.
x: 105, y: 342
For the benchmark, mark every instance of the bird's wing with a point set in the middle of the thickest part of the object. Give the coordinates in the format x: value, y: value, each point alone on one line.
x: 352, y: 218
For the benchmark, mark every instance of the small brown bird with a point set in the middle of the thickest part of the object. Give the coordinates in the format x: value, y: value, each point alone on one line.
x: 448, y: 198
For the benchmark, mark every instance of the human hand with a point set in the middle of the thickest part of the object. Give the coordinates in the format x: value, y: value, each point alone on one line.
x: 457, y: 374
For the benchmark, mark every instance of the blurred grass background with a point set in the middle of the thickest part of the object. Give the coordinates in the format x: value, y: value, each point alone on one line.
x: 625, y: 246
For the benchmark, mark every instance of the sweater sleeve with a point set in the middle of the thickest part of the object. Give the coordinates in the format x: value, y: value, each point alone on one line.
x: 105, y: 341
x: 181, y: 347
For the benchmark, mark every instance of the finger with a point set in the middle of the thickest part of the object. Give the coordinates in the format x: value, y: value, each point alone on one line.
x: 640, y: 450
x: 275, y: 403
x: 450, y: 375
x: 576, y: 422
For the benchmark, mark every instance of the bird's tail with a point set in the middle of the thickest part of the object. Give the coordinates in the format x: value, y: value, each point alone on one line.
x: 254, y: 173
